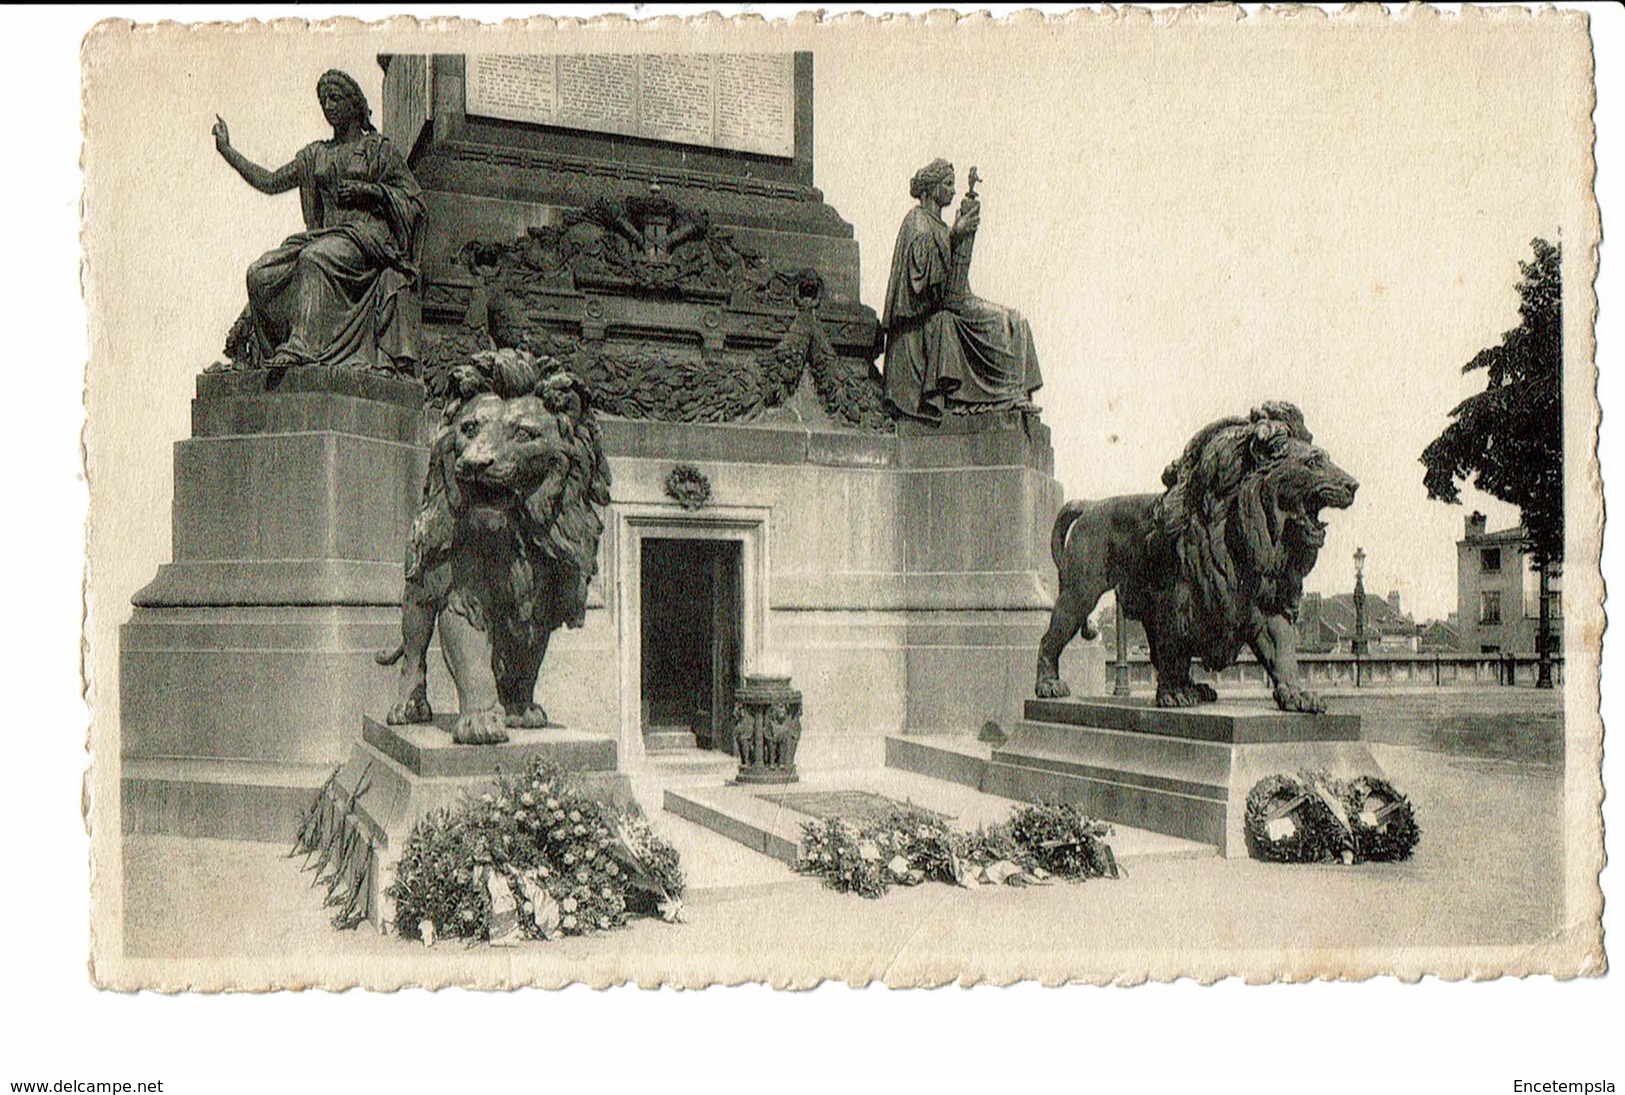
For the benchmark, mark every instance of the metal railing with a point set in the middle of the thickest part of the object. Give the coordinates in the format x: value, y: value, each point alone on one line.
x: 1365, y: 671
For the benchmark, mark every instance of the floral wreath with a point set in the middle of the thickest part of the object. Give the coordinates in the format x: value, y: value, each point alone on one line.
x: 688, y: 486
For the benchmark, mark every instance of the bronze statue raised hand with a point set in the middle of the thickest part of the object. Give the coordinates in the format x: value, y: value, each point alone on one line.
x: 968, y: 218
x: 329, y: 295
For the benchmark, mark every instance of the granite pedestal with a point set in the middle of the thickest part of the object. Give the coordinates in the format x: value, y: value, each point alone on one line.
x: 248, y: 658
x: 1185, y: 772
x: 397, y: 774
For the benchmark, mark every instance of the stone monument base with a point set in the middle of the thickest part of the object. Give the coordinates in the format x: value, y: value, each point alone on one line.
x: 1185, y: 772
x: 397, y: 774
x: 248, y: 657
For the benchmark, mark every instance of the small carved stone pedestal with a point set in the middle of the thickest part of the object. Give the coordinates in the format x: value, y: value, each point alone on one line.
x: 767, y: 727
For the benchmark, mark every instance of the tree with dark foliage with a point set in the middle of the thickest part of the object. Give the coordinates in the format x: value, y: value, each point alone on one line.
x: 1509, y: 438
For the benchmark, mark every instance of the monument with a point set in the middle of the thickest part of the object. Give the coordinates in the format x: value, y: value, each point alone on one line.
x: 651, y: 223
x: 947, y: 350
x: 649, y: 226
x: 244, y: 668
x: 1214, y: 563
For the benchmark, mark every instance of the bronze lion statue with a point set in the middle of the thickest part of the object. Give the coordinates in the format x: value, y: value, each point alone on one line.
x: 505, y: 543
x: 1213, y: 563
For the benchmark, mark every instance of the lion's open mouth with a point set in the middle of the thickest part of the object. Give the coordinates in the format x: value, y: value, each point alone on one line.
x: 485, y: 494
x: 1328, y: 495
x: 1310, y: 528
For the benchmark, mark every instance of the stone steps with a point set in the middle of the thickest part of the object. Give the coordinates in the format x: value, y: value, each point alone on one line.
x: 739, y: 816
x: 1038, y: 776
x: 742, y: 813
x: 955, y: 759
x: 690, y: 764
x: 1185, y: 773
x: 213, y: 797
x: 669, y: 739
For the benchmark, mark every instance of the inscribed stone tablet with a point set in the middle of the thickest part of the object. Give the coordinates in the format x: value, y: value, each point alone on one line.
x: 742, y: 102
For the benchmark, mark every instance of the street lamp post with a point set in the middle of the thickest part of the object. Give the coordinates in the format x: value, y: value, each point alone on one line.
x: 1359, y: 644
x: 1120, y: 683
x: 1543, y: 636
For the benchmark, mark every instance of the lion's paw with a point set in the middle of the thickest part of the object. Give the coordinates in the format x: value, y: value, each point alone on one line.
x: 414, y: 709
x: 1052, y: 688
x: 1289, y: 697
x: 529, y: 716
x: 1205, y: 693
x: 1185, y: 695
x: 480, y: 728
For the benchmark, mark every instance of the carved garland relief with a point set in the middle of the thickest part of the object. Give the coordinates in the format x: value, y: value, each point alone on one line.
x: 558, y: 290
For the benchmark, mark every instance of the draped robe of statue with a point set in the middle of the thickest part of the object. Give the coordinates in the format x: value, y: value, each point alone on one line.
x: 945, y: 346
x: 342, y: 292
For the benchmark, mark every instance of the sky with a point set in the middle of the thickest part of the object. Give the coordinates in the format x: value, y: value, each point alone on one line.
x: 1194, y: 230
x: 1193, y: 224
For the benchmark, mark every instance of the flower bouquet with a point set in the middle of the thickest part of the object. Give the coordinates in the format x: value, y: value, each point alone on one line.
x: 534, y: 857
x: 907, y: 846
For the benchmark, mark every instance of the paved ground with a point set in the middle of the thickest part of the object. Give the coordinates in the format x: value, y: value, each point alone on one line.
x: 1488, y: 872
x: 1510, y: 726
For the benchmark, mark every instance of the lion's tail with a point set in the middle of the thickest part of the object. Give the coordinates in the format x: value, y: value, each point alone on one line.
x: 390, y: 657
x: 1063, y: 525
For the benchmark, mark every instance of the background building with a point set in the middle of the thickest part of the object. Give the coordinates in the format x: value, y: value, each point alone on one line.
x: 1439, y: 636
x: 1498, y: 592
x: 1326, y: 624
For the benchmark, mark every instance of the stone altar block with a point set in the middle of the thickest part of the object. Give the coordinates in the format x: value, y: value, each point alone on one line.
x: 1181, y: 771
x: 397, y: 774
x: 248, y: 657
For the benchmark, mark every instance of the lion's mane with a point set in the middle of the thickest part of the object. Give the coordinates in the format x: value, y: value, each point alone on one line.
x: 557, y: 532
x: 1217, y: 531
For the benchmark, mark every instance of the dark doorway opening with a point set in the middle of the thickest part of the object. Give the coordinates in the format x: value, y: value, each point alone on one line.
x: 691, y: 607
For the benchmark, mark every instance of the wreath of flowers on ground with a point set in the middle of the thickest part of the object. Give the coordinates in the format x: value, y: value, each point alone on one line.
x: 1313, y: 818
x: 534, y: 857
x: 908, y: 845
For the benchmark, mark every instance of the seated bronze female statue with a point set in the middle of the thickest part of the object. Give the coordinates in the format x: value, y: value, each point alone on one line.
x: 342, y: 292
x: 949, y: 351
